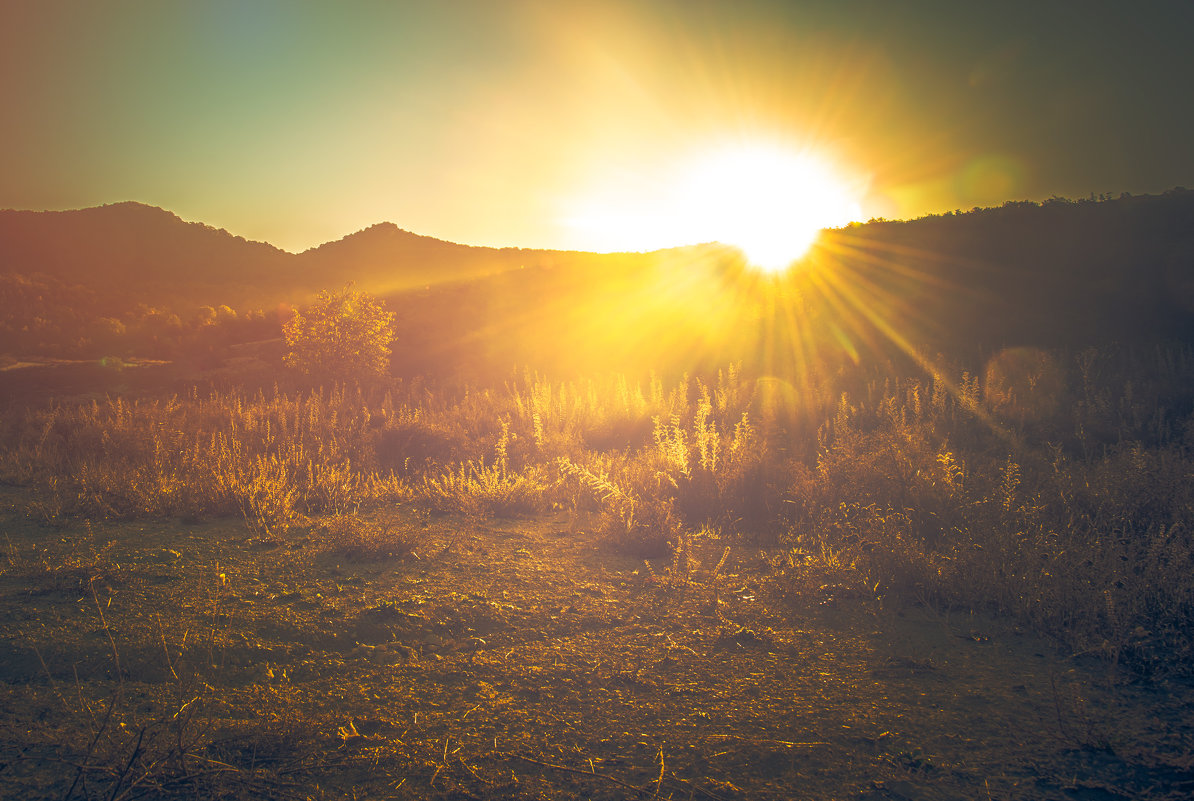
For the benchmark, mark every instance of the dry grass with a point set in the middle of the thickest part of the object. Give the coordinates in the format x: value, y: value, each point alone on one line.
x: 1059, y: 494
x: 379, y: 536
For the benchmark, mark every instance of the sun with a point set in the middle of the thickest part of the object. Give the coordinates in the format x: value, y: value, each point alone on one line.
x: 768, y: 199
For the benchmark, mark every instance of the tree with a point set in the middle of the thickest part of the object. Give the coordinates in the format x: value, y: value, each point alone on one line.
x: 341, y: 335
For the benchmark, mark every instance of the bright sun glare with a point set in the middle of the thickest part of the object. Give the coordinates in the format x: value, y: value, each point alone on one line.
x: 767, y: 200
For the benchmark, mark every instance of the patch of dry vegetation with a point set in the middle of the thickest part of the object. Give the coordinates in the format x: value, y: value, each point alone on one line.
x: 515, y: 659
x: 1056, y: 488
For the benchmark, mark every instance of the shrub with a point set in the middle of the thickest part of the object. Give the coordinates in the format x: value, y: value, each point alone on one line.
x: 362, y: 537
x: 342, y: 335
x: 415, y: 445
x: 639, y: 525
x: 485, y: 490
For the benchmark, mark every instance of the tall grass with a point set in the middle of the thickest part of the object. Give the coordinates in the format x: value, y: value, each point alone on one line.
x: 1051, y: 486
x: 273, y: 460
x: 482, y: 490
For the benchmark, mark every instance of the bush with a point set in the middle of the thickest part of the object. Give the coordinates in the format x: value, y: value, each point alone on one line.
x: 342, y: 335
x: 483, y: 490
x: 639, y: 524
x: 378, y: 537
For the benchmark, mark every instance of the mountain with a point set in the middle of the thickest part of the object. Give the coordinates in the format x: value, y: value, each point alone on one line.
x: 142, y: 250
x: 386, y: 258
x: 1061, y: 272
x: 965, y: 285
x: 115, y: 280
x: 133, y: 280
x: 152, y: 256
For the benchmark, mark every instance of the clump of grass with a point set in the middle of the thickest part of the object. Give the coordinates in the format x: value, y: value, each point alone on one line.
x: 384, y: 536
x: 562, y: 419
x: 1086, y: 547
x: 413, y: 443
x: 684, y: 570
x: 272, y: 460
x: 719, y: 470
x: 482, y: 490
x: 817, y: 572
x: 640, y: 525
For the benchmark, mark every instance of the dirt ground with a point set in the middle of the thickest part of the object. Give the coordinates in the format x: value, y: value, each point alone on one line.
x: 516, y: 659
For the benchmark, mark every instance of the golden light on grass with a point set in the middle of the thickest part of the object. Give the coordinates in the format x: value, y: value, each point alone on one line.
x: 770, y: 200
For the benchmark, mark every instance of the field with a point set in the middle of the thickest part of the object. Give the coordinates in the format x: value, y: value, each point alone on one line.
x: 867, y: 584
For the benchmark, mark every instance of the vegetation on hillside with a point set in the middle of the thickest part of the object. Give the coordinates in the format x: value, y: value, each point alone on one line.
x: 1058, y: 274
x: 45, y: 317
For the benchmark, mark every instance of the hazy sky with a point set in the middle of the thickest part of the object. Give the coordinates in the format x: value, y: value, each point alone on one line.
x: 492, y: 122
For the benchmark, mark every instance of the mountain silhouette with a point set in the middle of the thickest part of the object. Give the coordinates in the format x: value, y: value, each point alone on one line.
x: 385, y: 258
x: 1061, y: 273
x: 139, y: 249
x: 153, y: 256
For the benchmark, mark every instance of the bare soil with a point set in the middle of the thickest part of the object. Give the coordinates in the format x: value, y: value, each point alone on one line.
x: 517, y: 659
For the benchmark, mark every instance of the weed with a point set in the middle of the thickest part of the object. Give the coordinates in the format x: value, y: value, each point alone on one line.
x: 481, y: 490
x: 382, y: 536
x: 626, y: 521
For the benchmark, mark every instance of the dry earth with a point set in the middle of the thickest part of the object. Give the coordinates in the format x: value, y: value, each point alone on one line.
x: 516, y: 659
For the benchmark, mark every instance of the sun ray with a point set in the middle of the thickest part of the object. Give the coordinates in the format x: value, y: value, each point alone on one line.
x: 769, y: 199
x: 856, y: 298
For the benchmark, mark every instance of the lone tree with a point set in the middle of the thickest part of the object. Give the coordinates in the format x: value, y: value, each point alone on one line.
x: 341, y: 335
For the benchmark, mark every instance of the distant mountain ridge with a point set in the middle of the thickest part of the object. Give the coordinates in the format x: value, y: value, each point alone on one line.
x: 386, y: 258
x: 1059, y: 273
x: 153, y: 254
x: 135, y: 248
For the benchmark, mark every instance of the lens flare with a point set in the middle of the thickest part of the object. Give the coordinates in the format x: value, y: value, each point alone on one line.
x: 769, y: 200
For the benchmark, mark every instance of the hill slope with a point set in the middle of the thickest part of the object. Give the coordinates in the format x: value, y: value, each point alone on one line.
x: 152, y: 255
x: 141, y: 249
x: 1058, y: 273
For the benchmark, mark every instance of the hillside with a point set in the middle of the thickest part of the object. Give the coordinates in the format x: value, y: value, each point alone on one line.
x: 1056, y: 273
x: 134, y: 280
x: 142, y: 250
x: 386, y: 258
x: 153, y: 255
x: 965, y: 285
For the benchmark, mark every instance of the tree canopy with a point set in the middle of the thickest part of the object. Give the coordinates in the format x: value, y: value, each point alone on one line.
x: 341, y: 335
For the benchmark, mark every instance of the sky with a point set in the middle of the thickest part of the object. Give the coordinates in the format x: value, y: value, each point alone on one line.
x: 517, y: 123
